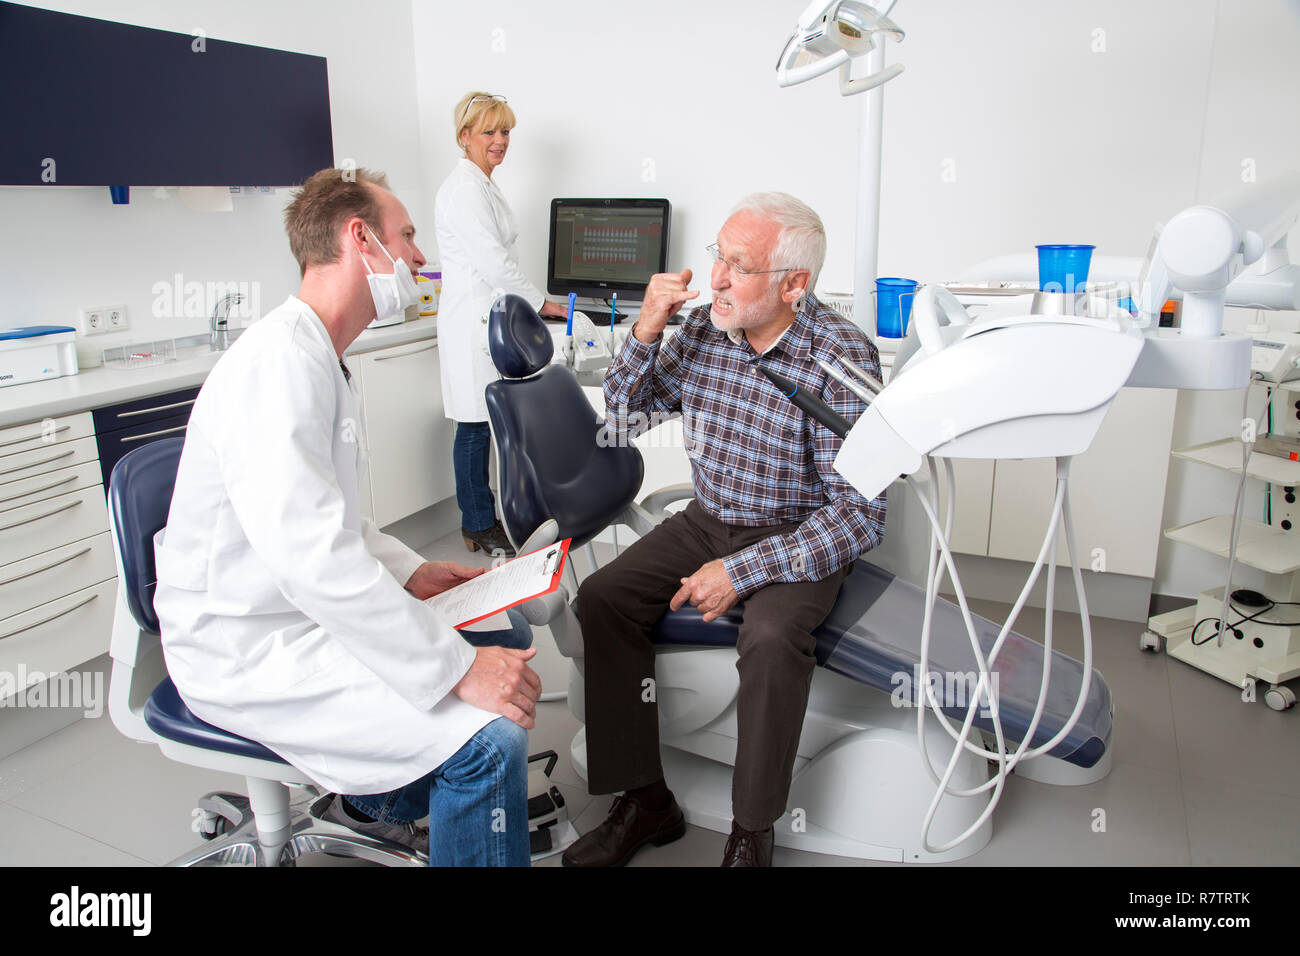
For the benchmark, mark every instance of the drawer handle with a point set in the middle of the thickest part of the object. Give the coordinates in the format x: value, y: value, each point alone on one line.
x: 53, y: 617
x: 165, y: 431
x: 385, y: 358
x: 41, y: 434
x: 48, y: 514
x: 34, y: 491
x: 160, y: 408
x: 43, y: 461
x: 28, y: 574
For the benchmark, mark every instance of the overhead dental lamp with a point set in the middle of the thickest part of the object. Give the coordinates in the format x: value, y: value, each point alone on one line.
x: 830, y: 35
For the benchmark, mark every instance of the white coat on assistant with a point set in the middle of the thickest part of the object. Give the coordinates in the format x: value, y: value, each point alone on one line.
x: 284, y: 616
x: 476, y: 234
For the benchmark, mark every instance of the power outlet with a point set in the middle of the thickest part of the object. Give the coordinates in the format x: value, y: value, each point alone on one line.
x: 94, y: 321
x: 104, y: 318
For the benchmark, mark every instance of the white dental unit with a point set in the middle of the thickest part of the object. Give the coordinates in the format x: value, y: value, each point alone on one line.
x: 1030, y: 383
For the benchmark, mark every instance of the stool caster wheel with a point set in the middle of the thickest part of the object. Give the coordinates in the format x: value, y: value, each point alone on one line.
x: 210, y: 825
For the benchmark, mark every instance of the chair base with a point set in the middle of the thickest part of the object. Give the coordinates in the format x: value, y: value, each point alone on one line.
x: 880, y: 765
x: 235, y: 839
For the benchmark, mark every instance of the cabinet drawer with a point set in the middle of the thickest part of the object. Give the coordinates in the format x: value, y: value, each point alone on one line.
x: 49, y: 431
x: 145, y: 410
x: 38, y: 461
x: 59, y: 635
x: 113, y: 446
x: 25, y: 491
x: 36, y: 528
x: 52, y: 574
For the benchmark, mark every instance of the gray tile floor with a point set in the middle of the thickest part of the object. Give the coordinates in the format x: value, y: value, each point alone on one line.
x: 1199, y: 778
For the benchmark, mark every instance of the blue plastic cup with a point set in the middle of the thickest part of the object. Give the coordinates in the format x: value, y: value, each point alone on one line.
x: 893, y: 306
x: 1063, y: 268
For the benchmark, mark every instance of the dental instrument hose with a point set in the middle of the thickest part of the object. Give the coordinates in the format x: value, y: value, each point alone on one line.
x: 985, y: 692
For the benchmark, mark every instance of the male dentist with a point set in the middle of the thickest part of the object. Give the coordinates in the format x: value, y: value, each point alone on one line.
x: 289, y: 618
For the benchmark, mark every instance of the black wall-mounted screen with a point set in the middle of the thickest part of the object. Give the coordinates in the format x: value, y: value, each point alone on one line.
x: 599, y: 246
x: 88, y: 102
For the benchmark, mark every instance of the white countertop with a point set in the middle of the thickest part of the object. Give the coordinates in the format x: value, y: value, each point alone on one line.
x: 97, y: 387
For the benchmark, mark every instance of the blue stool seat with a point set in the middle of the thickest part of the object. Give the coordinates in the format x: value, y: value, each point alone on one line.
x: 872, y: 635
x: 167, y: 716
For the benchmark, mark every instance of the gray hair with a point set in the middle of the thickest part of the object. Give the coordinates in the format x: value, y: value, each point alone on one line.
x: 802, y: 241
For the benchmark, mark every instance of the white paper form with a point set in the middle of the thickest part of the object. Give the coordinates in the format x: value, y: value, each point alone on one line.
x: 503, y: 587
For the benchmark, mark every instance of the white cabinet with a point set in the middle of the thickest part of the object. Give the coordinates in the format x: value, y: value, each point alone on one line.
x: 57, y: 576
x: 409, y: 438
x: 1117, y: 492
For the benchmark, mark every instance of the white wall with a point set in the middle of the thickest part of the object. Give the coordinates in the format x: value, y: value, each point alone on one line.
x: 67, y: 247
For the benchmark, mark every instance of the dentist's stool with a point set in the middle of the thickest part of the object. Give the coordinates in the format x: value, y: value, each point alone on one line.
x: 261, y: 829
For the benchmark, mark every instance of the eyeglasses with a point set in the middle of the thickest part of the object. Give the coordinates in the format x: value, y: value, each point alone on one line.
x: 486, y: 96
x: 712, y: 250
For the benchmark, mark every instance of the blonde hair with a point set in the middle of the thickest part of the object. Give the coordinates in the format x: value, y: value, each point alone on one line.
x: 478, y: 110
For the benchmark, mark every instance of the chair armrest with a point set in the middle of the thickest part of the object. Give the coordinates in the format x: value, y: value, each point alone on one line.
x: 548, y: 532
x: 657, y: 500
x: 554, y: 611
x: 543, y: 609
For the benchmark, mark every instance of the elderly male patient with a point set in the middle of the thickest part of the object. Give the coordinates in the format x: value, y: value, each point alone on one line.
x: 287, y: 617
x: 771, y: 523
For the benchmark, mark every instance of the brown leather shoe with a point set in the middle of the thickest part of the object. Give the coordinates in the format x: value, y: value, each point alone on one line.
x: 746, y: 848
x: 628, y: 827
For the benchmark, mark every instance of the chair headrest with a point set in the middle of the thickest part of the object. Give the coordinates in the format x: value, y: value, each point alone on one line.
x: 518, y: 339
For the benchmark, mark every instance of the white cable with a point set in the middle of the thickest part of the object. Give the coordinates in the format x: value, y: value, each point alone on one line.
x: 939, y: 542
x: 1046, y: 549
x: 1247, y: 449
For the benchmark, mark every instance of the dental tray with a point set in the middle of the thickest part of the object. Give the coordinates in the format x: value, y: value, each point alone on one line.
x: 141, y: 354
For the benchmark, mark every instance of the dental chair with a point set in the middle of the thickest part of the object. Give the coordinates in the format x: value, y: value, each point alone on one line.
x: 265, y: 828
x: 860, y: 786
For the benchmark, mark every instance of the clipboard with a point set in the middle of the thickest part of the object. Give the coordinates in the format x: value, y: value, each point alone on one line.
x: 505, y: 586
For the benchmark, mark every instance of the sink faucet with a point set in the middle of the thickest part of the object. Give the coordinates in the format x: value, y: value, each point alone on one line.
x: 218, y: 324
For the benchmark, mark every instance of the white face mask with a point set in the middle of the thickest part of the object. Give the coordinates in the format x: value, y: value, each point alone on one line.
x: 392, y: 292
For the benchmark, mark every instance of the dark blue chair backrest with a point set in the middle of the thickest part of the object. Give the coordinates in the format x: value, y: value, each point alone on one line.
x: 555, y: 459
x: 139, y: 497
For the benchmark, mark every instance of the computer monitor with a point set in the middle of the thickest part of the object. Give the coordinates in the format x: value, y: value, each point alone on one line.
x: 602, y: 246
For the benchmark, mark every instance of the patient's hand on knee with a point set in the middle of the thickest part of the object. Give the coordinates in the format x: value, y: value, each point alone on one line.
x: 709, y: 589
x: 499, y: 681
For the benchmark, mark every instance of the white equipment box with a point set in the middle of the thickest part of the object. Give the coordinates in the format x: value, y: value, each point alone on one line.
x: 37, y: 352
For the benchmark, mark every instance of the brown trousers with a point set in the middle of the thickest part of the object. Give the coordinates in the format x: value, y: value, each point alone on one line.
x: 619, y: 606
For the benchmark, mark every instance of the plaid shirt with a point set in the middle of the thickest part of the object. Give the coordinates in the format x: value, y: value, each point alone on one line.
x: 756, y: 459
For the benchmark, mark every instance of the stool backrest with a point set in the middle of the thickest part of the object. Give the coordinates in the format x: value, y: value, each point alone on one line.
x: 139, y: 497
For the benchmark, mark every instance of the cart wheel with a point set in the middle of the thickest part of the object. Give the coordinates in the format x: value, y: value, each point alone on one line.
x: 1280, y: 697
x: 1149, y: 642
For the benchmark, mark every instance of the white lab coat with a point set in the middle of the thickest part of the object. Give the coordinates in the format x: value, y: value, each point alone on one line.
x: 284, y: 616
x: 476, y: 234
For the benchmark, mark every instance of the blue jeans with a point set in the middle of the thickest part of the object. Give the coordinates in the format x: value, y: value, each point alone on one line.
x: 469, y: 455
x: 477, y: 800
